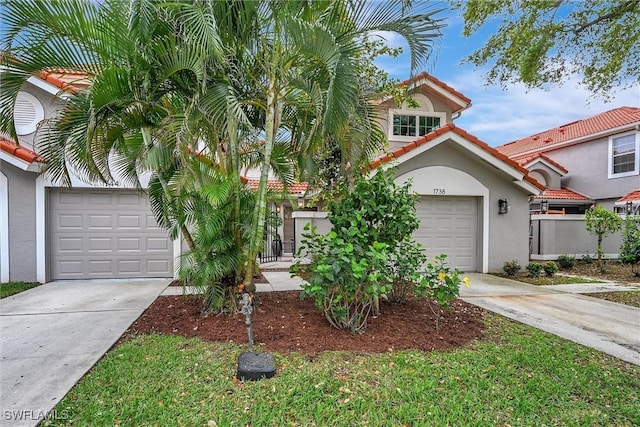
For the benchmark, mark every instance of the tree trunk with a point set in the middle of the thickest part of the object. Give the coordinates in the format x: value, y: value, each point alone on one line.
x: 259, y: 212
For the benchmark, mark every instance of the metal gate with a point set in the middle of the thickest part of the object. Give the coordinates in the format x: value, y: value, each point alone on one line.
x: 272, y: 241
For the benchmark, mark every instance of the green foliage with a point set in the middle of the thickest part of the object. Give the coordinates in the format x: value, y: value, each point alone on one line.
x: 404, y: 266
x: 376, y: 210
x: 370, y: 255
x: 566, y: 261
x: 550, y: 268
x: 544, y: 42
x: 535, y: 269
x: 347, y: 279
x: 587, y: 259
x: 601, y: 222
x: 216, y: 263
x: 630, y: 248
x: 440, y: 283
x: 11, y: 288
x: 511, y: 268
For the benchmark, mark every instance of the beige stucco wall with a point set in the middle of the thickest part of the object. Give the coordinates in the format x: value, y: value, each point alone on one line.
x: 502, y: 237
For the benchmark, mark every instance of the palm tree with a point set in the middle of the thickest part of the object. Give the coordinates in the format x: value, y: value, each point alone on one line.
x: 308, y: 54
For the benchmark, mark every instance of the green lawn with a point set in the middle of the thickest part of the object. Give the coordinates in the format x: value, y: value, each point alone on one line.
x: 627, y: 297
x: 517, y: 376
x: 12, y: 288
x: 553, y: 280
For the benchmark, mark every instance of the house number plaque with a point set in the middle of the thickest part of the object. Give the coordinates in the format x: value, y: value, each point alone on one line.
x: 439, y: 191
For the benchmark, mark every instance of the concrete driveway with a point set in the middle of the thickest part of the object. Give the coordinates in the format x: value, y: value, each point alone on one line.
x: 606, y: 326
x: 53, y: 334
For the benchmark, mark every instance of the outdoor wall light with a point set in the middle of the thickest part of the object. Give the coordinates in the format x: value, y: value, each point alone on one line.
x: 503, y: 206
x: 629, y: 207
x: 544, y: 206
x: 300, y: 203
x: 277, y: 209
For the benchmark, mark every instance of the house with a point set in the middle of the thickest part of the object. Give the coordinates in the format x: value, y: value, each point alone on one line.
x: 590, y: 161
x: 469, y: 195
x: 48, y: 232
x: 593, y: 160
x: 473, y: 201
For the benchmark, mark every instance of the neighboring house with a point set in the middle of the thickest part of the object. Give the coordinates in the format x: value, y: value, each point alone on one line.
x: 593, y: 160
x: 89, y: 231
x: 473, y: 201
x: 590, y: 161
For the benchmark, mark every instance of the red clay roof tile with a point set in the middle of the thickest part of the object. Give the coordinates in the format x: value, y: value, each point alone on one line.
x: 633, y: 196
x: 450, y: 127
x: 275, y: 185
x: 9, y: 146
x: 562, y: 194
x: 443, y: 85
x: 526, y: 160
x: 69, y: 80
x: 549, y: 139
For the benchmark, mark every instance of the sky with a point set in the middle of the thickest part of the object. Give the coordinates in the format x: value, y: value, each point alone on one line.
x: 498, y: 116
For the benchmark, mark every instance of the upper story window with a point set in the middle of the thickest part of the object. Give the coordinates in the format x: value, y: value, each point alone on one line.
x: 624, y: 155
x: 412, y: 124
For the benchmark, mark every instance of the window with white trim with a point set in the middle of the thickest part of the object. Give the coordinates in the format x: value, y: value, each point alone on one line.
x: 411, y: 124
x: 624, y: 155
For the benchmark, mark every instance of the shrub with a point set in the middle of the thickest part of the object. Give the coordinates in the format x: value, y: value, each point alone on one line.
x: 404, y: 265
x: 550, y: 268
x: 630, y: 248
x: 535, y: 269
x: 346, y: 280
x: 601, y: 222
x: 587, y: 259
x: 511, y: 268
x: 440, y: 283
x: 566, y: 261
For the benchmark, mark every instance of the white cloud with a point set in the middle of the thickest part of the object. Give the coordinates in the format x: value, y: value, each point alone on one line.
x: 499, y: 116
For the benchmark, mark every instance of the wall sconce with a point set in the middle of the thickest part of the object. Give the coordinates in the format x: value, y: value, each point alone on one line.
x: 503, y: 206
x: 277, y: 209
x: 544, y: 206
x: 629, y: 207
x: 300, y: 203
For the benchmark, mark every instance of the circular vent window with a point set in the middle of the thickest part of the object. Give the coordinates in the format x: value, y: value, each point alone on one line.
x: 27, y: 113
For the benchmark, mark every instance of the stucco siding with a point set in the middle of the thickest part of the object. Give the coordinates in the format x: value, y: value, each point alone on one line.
x: 22, y: 223
x: 508, y: 234
x: 557, y: 235
x: 587, y: 164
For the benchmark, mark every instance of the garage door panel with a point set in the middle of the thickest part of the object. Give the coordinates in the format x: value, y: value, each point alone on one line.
x: 100, y: 244
x: 105, y: 234
x: 449, y: 225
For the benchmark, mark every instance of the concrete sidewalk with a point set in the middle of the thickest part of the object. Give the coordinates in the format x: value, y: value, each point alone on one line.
x: 606, y: 326
x: 53, y: 334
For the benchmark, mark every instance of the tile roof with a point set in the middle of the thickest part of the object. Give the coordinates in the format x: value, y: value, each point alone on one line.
x: 552, y: 138
x: 562, y: 194
x: 634, y: 196
x: 9, y: 146
x: 450, y: 127
x: 276, y: 185
x: 523, y: 161
x: 443, y: 85
x: 69, y: 80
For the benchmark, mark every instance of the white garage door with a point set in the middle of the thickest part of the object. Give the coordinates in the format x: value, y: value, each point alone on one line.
x: 449, y: 225
x: 96, y: 234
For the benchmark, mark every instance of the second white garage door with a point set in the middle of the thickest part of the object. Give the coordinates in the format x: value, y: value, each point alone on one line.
x: 449, y: 225
x: 97, y: 234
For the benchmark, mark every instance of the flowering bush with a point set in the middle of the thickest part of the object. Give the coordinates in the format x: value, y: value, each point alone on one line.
x: 440, y: 283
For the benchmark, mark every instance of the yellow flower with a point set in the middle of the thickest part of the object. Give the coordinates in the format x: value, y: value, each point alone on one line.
x: 441, y: 275
x: 466, y: 281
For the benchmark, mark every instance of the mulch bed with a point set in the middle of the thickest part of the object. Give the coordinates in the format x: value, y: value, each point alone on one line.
x: 285, y: 323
